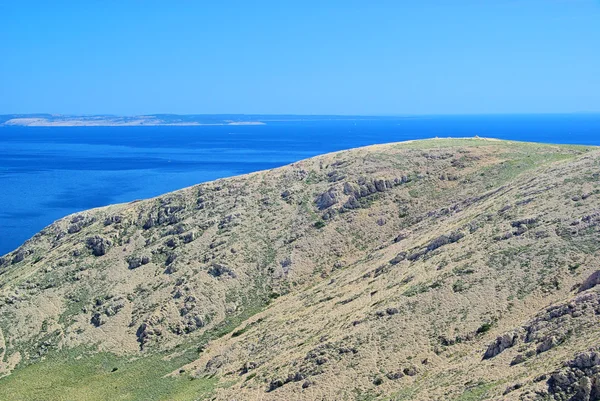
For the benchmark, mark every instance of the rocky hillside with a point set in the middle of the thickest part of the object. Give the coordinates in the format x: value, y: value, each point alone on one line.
x: 426, y: 270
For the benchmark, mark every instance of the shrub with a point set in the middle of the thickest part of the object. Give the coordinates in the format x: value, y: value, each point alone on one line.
x: 239, y: 332
x: 459, y: 286
x: 484, y: 328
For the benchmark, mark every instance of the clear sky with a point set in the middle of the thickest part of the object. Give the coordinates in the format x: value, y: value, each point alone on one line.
x: 300, y: 57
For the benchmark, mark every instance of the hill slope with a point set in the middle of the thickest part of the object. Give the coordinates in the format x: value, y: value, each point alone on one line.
x: 437, y: 269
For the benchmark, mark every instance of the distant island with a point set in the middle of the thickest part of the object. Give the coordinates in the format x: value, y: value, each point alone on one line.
x: 149, y: 120
x: 54, y: 120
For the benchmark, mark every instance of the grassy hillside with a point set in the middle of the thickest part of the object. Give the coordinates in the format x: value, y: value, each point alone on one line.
x: 442, y: 269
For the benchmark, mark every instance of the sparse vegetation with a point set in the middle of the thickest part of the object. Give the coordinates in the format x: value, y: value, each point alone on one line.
x: 383, y: 273
x: 319, y: 224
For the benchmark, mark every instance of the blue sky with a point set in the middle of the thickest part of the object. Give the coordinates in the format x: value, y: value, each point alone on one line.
x: 301, y: 57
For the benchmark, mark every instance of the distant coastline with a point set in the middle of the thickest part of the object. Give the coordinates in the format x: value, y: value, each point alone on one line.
x: 107, y: 121
x: 173, y: 120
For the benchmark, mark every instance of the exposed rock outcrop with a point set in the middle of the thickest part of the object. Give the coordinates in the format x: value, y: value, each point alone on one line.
x: 579, y: 380
x: 590, y: 282
x: 135, y: 261
x: 98, y: 245
x: 502, y: 342
x: 326, y: 199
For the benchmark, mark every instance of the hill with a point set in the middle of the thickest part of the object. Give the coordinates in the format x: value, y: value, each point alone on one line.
x: 443, y: 269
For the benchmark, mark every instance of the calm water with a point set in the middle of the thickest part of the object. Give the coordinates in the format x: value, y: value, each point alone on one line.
x: 47, y: 173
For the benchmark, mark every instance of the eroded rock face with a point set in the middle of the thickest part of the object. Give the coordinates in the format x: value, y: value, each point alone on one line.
x: 190, y: 323
x: 365, y: 187
x: 79, y: 222
x: 149, y: 223
x: 113, y: 220
x: 398, y: 258
x: 104, y: 309
x: 214, y: 364
x: 444, y: 240
x: 531, y: 221
x: 351, y: 188
x: 352, y: 203
x: 171, y: 257
x: 557, y: 320
x: 172, y: 243
x: 97, y: 245
x: 135, y: 261
x: 149, y: 330
x: 218, y: 270
x: 166, y: 215
x: 548, y: 343
x: 18, y: 256
x: 188, y: 237
x: 326, y: 199
x: 551, y: 327
x: 335, y: 175
x: 502, y: 342
x: 435, y: 244
x: 592, y: 281
x: 169, y: 214
x: 579, y: 380
x: 97, y: 319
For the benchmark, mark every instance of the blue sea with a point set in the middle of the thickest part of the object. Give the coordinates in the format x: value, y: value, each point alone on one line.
x: 47, y: 173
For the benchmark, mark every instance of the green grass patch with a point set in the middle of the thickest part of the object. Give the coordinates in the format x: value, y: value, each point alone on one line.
x: 478, y: 392
x: 105, y: 376
x: 416, y: 289
x: 524, y: 158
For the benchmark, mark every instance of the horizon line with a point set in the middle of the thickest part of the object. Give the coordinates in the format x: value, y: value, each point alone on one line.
x: 295, y: 114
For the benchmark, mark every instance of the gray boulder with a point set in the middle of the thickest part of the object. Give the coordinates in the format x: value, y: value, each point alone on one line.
x: 218, y: 270
x: 18, y: 256
x: 326, y: 199
x: 134, y: 262
x: 590, y: 282
x: 97, y: 245
x: 502, y: 342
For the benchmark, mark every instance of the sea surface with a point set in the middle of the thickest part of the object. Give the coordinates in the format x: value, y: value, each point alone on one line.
x: 49, y: 172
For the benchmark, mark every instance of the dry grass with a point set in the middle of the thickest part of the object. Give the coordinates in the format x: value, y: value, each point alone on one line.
x: 336, y: 316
